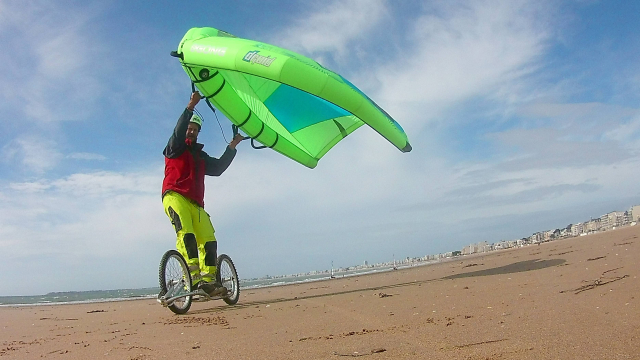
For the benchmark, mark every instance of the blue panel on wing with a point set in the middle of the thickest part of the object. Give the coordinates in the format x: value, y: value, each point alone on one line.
x: 296, y: 109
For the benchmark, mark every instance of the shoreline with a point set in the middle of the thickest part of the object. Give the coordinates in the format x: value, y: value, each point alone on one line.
x: 288, y: 280
x: 153, y: 295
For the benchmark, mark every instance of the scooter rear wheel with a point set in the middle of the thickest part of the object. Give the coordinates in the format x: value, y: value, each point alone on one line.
x: 228, y: 277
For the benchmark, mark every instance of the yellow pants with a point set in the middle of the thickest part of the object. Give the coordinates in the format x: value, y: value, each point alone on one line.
x: 195, y: 235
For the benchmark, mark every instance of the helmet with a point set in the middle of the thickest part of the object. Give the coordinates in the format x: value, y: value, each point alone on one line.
x: 196, y: 120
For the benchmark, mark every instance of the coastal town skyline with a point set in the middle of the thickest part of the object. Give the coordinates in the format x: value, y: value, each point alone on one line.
x: 609, y: 221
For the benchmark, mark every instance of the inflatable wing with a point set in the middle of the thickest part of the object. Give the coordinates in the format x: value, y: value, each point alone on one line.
x: 281, y: 99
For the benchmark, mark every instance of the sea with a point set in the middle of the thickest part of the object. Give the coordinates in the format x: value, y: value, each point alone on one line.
x: 97, y: 296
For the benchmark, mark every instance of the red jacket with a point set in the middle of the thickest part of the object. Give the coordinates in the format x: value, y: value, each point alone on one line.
x: 186, y: 164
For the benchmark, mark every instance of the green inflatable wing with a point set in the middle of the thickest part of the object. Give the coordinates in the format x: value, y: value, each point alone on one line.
x: 281, y: 99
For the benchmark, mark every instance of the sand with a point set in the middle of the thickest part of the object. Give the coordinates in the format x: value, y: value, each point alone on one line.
x: 568, y: 299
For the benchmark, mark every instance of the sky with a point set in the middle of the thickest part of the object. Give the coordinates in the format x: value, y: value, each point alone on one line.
x: 523, y: 117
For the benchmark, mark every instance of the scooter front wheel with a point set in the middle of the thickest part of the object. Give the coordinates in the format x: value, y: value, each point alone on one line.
x: 175, y: 280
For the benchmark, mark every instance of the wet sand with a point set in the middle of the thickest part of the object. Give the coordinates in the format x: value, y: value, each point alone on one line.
x: 567, y: 299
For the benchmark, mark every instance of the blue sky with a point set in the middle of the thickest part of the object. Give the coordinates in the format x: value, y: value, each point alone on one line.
x: 523, y: 117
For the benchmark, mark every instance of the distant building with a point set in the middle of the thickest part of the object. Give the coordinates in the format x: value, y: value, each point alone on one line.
x: 536, y: 238
x: 480, y: 247
x: 577, y: 229
x: 592, y: 225
x: 612, y: 220
x: 548, y: 235
x: 635, y: 213
x: 505, y: 244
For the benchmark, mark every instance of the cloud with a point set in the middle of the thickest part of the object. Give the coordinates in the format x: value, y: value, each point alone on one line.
x: 33, y: 152
x: 51, y: 73
x: 30, y: 187
x: 77, y: 226
x: 627, y: 132
x: 545, y: 148
x: 570, y: 136
x: 588, y: 120
x: 460, y: 51
x: 100, y: 184
x: 347, y: 21
x: 86, y: 156
x: 54, y: 65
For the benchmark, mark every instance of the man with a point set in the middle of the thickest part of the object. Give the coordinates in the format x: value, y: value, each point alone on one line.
x: 183, y: 196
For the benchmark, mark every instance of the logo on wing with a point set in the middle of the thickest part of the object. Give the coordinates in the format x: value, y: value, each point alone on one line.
x: 206, y: 49
x: 254, y: 58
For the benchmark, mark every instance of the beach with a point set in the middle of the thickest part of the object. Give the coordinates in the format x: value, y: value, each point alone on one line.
x: 575, y: 298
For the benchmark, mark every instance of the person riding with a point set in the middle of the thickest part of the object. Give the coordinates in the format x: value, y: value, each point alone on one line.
x: 186, y: 164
